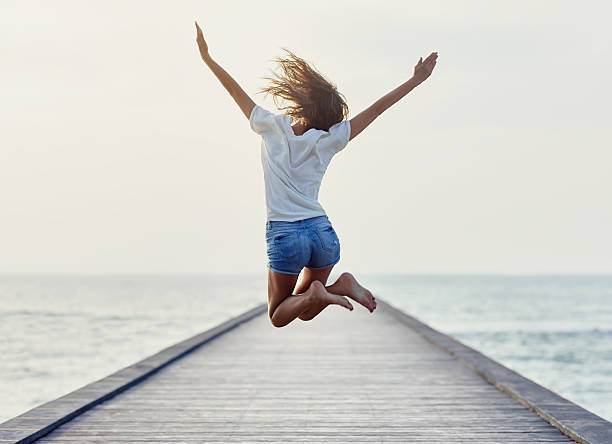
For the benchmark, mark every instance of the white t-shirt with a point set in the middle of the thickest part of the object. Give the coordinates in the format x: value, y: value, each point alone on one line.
x: 293, y: 165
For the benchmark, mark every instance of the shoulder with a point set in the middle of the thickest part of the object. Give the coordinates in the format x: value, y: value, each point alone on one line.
x: 341, y: 128
x: 337, y: 137
x: 262, y: 120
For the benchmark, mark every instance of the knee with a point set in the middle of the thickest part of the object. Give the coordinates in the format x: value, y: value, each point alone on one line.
x: 275, y: 321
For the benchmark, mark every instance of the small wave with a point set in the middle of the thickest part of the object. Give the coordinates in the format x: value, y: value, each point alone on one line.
x: 42, y: 313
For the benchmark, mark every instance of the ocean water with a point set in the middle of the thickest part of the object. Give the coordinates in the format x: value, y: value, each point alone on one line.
x: 59, y: 333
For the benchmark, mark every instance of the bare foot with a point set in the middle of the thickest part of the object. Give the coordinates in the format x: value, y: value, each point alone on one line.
x: 348, y: 285
x: 321, y: 297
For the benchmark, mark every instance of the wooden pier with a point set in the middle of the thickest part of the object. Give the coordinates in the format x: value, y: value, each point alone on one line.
x: 343, y: 377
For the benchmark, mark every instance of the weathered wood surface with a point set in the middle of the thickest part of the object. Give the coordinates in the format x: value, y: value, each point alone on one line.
x: 343, y: 377
x: 40, y: 420
x: 573, y: 420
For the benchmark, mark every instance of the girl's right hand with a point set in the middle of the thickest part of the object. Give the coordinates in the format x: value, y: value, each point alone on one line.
x: 423, y: 68
x: 201, y: 42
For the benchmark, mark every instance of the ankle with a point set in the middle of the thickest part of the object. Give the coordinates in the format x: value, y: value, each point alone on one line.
x: 342, y: 284
x: 345, y: 278
x: 314, y: 290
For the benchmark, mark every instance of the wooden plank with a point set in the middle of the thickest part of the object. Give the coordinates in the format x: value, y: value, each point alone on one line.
x: 37, y: 422
x: 573, y: 420
x: 343, y: 377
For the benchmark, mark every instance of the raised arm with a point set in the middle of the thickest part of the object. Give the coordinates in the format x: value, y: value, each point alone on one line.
x: 422, y: 71
x: 243, y: 100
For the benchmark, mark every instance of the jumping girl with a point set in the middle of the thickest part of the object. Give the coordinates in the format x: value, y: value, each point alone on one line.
x: 296, y: 149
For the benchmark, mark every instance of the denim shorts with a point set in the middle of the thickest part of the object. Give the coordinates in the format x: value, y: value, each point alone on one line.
x: 311, y: 243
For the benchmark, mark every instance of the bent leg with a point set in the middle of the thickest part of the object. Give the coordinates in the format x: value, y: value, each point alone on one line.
x: 307, y: 277
x: 280, y: 286
x: 284, y: 307
x: 345, y: 285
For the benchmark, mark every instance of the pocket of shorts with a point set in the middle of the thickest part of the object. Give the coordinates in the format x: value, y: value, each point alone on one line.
x: 286, y: 244
x: 328, y: 237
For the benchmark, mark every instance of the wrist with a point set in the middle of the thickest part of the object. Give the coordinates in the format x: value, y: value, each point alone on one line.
x: 415, y: 81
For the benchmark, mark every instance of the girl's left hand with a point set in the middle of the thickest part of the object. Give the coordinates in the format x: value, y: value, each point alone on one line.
x: 201, y: 42
x: 423, y: 68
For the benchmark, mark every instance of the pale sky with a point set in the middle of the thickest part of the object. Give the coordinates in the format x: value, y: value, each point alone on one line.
x: 121, y: 152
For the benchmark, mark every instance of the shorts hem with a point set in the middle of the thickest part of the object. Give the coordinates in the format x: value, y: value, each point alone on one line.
x: 284, y: 272
x: 326, y: 266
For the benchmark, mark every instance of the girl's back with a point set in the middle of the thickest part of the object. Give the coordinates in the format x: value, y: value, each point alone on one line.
x: 294, y: 165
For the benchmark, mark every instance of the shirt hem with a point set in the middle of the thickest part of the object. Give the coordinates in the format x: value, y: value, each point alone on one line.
x: 293, y: 218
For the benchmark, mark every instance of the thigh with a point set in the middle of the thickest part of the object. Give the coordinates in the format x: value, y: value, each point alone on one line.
x: 280, y: 285
x: 310, y: 275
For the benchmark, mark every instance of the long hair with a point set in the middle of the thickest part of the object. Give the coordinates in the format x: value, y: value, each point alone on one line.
x: 311, y: 97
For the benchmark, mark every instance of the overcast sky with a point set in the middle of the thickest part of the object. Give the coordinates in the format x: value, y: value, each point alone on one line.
x: 121, y: 152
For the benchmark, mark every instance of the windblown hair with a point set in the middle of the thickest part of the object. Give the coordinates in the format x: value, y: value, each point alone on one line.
x: 311, y: 97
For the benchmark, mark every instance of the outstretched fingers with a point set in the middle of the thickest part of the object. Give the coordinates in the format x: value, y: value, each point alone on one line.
x: 431, y: 57
x: 430, y: 61
x: 202, y: 45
